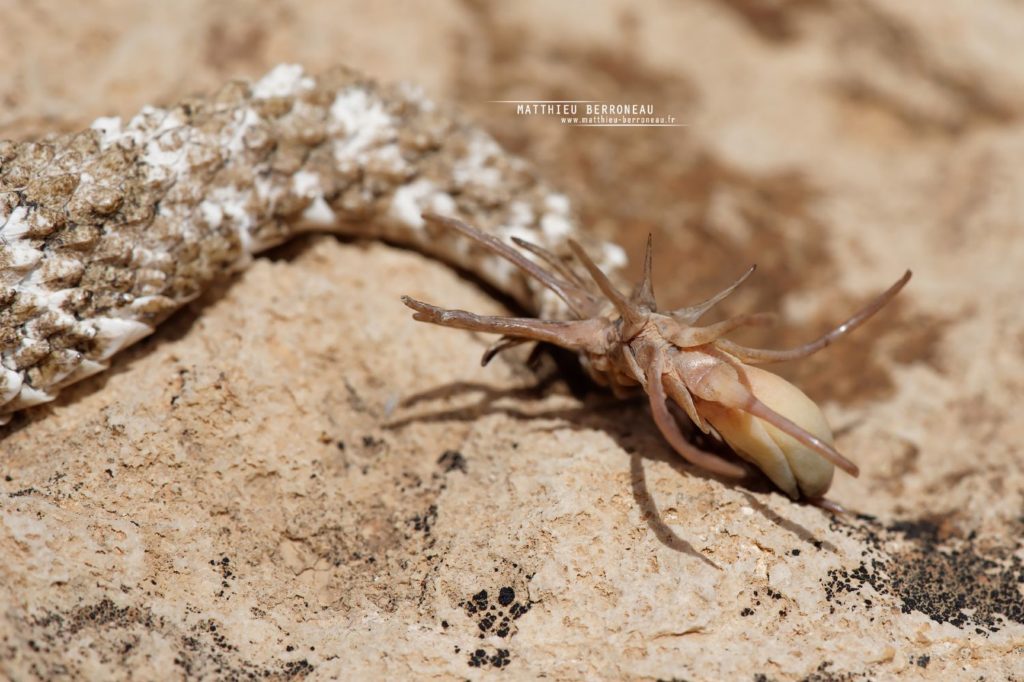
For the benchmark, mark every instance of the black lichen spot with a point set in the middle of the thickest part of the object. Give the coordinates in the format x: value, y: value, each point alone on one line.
x: 494, y: 613
x: 22, y: 493
x: 424, y: 522
x: 923, y: 661
x: 224, y: 566
x: 747, y: 612
x: 825, y: 674
x: 506, y: 596
x: 208, y: 649
x: 499, y: 659
x: 518, y: 610
x: 452, y: 460
x: 113, y: 632
x: 296, y: 669
x: 495, y: 618
x: 948, y: 579
x: 477, y: 658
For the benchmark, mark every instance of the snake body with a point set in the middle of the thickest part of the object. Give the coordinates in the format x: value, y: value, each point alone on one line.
x: 106, y: 232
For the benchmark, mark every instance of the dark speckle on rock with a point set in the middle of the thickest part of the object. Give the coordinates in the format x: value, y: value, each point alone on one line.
x: 949, y: 579
x: 506, y: 596
x: 452, y: 460
x: 479, y: 658
x: 112, y: 630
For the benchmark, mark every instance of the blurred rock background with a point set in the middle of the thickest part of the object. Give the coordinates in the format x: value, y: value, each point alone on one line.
x: 240, y: 496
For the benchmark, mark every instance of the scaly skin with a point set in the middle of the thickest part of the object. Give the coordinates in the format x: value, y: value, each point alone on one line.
x: 106, y: 232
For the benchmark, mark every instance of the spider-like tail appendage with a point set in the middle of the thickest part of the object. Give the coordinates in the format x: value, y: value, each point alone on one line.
x: 627, y: 342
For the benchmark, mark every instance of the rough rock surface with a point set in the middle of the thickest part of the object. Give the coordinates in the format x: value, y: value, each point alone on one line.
x: 331, y: 490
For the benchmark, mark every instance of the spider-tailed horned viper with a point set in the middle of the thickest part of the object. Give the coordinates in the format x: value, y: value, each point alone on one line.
x: 105, y: 233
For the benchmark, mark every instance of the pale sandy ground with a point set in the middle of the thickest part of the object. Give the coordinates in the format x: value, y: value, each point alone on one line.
x: 293, y: 479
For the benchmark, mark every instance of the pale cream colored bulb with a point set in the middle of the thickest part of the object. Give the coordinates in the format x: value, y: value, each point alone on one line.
x: 791, y: 465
